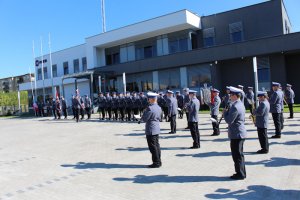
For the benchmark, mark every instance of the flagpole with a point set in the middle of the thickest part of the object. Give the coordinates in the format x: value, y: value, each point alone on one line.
x: 103, y: 16
x: 35, y: 70
x: 43, y: 76
x: 31, y: 84
x: 52, y: 88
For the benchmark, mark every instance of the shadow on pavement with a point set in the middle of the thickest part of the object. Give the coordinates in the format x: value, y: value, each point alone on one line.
x: 147, y: 149
x: 207, y: 154
x: 255, y: 192
x: 143, y: 179
x: 289, y: 143
x: 276, y: 162
x: 83, y: 165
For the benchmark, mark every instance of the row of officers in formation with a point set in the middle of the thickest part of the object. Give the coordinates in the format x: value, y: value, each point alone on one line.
x: 234, y: 114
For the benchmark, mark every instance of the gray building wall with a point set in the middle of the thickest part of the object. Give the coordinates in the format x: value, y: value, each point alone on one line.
x: 293, y: 72
x: 258, y: 21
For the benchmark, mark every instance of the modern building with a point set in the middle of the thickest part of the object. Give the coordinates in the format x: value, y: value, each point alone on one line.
x: 11, y: 84
x: 181, y: 49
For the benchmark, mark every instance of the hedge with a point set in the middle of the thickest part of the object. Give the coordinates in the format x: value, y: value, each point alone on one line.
x: 11, y: 99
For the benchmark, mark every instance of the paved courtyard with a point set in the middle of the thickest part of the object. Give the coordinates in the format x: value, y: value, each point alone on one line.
x: 43, y: 159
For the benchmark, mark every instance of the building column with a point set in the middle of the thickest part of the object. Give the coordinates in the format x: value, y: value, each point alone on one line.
x: 155, y: 80
x: 183, y: 77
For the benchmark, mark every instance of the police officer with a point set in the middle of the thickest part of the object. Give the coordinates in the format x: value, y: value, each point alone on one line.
x: 54, y: 108
x: 108, y: 105
x: 282, y: 107
x: 262, y: 121
x: 129, y: 103
x: 64, y: 107
x: 114, y: 105
x: 235, y: 118
x: 276, y: 108
x: 180, y: 103
x: 186, y: 100
x: 88, y: 106
x: 151, y: 117
x: 73, y: 106
x: 289, y: 97
x: 250, y: 99
x: 122, y: 106
x: 172, y: 111
x: 58, y: 107
x: 143, y: 102
x: 82, y: 108
x: 214, y: 111
x: 77, y: 107
x: 192, y: 109
x: 101, y: 105
x: 243, y: 95
x: 135, y: 103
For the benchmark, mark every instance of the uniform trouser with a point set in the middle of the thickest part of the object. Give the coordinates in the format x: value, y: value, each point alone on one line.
x: 65, y: 112
x: 277, y: 122
x: 73, y: 111
x: 108, y: 112
x: 58, y: 113
x: 141, y: 110
x: 180, y: 112
x: 237, y: 148
x: 122, y: 113
x: 291, y: 110
x: 88, y: 112
x: 76, y: 113
x: 187, y: 118
x: 263, y: 138
x: 136, y: 111
x: 102, y: 111
x: 153, y: 144
x: 215, y: 125
x: 195, y: 133
x: 82, y: 113
x: 250, y: 108
x: 128, y: 110
x: 165, y: 109
x: 281, y: 120
x: 173, y: 123
x: 115, y: 110
x: 54, y: 113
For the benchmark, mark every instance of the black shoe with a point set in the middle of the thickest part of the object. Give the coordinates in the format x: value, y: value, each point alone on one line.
x: 237, y: 177
x: 195, y: 147
x: 214, y: 134
x: 276, y: 136
x: 291, y: 118
x: 154, y: 166
x: 262, y: 151
x: 187, y: 128
x: 172, y: 132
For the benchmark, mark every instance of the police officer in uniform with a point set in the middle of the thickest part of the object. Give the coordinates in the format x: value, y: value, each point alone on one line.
x: 101, y: 105
x: 82, y: 108
x: 172, y: 110
x: 54, y: 108
x: 129, y: 103
x: 180, y: 103
x: 114, y: 105
x: 250, y: 99
x: 276, y: 108
x: 282, y: 107
x: 88, y: 106
x: 77, y: 107
x: 262, y: 121
x: 135, y: 104
x: 122, y: 106
x: 192, y: 109
x: 58, y: 108
x: 73, y: 106
x: 108, y: 106
x: 64, y: 107
x: 186, y: 100
x: 235, y: 118
x: 289, y: 96
x: 151, y: 117
x: 214, y: 111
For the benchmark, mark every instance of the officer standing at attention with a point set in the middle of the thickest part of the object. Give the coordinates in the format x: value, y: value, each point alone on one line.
x: 262, y: 121
x: 129, y: 103
x: 235, y: 118
x: 114, y: 106
x: 186, y: 100
x: 241, y: 87
x: 73, y: 107
x: 108, y: 105
x: 77, y: 107
x: 289, y: 96
x: 54, y: 108
x: 101, y: 105
x: 88, y: 106
x: 179, y: 98
x: 172, y: 111
x: 214, y: 111
x: 152, y: 117
x: 64, y: 107
x: 122, y: 106
x: 250, y: 99
x: 58, y: 108
x: 192, y: 109
x: 276, y: 108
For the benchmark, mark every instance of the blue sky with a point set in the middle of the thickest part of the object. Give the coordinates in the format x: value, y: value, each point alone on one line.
x: 70, y: 22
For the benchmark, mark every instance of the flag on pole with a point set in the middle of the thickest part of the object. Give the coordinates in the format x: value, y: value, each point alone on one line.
x: 56, y: 93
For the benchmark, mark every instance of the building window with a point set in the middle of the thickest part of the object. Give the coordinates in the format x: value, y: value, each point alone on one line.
x: 112, y: 59
x: 45, y: 73
x: 263, y: 73
x: 209, y: 37
x: 198, y: 75
x: 139, y: 82
x: 66, y: 68
x: 145, y: 49
x: 178, y: 45
x: 84, y: 64
x: 169, y: 79
x: 236, y: 32
x: 76, y: 65
x: 39, y: 77
x: 54, y: 71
